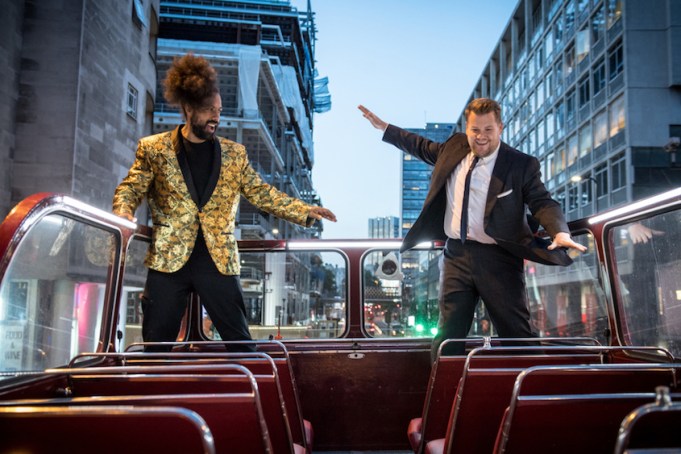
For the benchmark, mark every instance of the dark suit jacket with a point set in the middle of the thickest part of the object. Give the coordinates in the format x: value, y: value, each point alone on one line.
x: 515, y: 186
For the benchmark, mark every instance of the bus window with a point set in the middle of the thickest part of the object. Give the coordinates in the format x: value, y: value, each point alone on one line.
x: 292, y: 295
x: 52, y: 294
x: 568, y: 301
x: 648, y: 261
x: 400, y: 293
x: 130, y: 315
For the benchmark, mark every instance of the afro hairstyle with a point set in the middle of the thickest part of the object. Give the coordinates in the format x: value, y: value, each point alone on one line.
x: 190, y: 80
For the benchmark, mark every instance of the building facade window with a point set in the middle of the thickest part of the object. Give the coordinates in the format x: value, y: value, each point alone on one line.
x: 584, y: 91
x: 550, y: 126
x: 509, y: 60
x: 617, y: 116
x: 600, y: 129
x: 573, y: 150
x: 558, y: 32
x: 615, y: 60
x: 582, y: 44
x: 598, y: 76
x: 598, y: 25
x: 572, y: 197
x: 618, y: 172
x: 533, y: 102
x: 560, y: 119
x: 585, y: 140
x: 558, y: 75
x: 569, y: 15
x: 521, y: 47
x: 614, y: 11
x: 541, y: 136
x: 560, y: 159
x: 131, y: 102
x: 540, y: 94
x: 552, y: 7
x: 601, y: 176
x: 537, y: 21
x: 585, y: 186
x: 550, y: 167
x: 560, y: 197
x: 531, y: 70
x: 570, y: 106
x: 582, y: 6
x: 548, y: 44
x: 569, y: 66
x: 138, y: 16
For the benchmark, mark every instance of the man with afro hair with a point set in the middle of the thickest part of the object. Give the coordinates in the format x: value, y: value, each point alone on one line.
x: 193, y: 180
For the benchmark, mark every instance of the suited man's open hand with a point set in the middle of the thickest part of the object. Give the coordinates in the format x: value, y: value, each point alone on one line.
x: 563, y: 239
x: 373, y: 119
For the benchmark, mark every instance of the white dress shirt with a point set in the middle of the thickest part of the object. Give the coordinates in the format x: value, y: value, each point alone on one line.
x: 482, y: 174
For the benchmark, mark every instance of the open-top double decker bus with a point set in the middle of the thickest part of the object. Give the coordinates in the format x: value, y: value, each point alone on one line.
x: 341, y: 358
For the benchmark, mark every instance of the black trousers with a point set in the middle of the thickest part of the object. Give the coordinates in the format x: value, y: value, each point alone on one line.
x: 470, y: 271
x: 166, y: 295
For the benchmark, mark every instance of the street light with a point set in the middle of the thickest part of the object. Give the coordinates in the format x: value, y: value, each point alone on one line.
x: 578, y: 178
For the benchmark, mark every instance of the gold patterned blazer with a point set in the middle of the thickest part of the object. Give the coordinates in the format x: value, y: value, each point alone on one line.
x: 161, y: 174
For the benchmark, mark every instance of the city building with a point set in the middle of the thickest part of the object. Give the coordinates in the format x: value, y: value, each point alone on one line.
x: 384, y: 227
x: 592, y: 88
x: 416, y: 174
x: 77, y: 85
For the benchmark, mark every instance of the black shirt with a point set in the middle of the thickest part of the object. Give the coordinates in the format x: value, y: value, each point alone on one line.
x: 200, y: 160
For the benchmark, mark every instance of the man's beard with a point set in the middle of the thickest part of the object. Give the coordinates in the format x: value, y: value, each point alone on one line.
x: 202, y: 131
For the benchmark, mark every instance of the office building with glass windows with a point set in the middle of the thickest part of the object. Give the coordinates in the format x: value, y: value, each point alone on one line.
x: 416, y: 174
x: 592, y: 88
x: 384, y: 227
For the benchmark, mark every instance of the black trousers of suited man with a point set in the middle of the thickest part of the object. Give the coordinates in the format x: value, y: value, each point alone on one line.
x: 472, y: 271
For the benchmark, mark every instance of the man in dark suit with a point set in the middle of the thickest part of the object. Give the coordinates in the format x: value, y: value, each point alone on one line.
x: 487, y: 242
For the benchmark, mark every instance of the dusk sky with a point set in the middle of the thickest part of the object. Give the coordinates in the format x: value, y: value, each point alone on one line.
x: 410, y: 62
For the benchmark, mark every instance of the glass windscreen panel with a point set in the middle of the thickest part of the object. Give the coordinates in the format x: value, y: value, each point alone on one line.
x: 292, y: 295
x: 568, y: 301
x: 401, y: 296
x: 52, y: 294
x: 401, y: 293
x: 129, y: 329
x: 648, y: 261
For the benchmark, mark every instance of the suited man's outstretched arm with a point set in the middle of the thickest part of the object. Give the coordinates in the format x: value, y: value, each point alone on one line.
x: 418, y: 146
